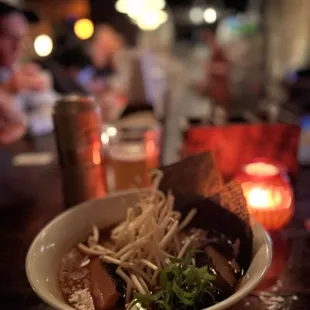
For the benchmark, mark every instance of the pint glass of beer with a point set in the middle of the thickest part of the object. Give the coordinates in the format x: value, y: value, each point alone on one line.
x: 133, y: 153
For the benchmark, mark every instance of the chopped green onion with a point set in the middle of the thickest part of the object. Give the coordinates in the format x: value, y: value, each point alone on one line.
x: 182, y: 284
x: 185, y: 297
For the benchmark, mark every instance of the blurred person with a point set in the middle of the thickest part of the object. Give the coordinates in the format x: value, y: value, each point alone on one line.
x: 218, y: 72
x: 216, y: 85
x: 106, y: 44
x: 18, y: 83
x: 13, y: 31
x: 106, y: 77
x: 105, y: 49
x: 13, y: 122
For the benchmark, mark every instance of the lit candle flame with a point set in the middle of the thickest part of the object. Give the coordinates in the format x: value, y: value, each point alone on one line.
x: 263, y: 198
x: 268, y: 194
x: 261, y: 169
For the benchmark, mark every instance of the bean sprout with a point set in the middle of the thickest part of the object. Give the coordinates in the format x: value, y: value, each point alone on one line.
x: 142, y: 244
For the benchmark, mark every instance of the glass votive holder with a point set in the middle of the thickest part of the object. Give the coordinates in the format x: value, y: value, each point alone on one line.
x: 268, y: 193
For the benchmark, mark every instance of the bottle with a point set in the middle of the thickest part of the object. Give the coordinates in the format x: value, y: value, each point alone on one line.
x: 77, y: 121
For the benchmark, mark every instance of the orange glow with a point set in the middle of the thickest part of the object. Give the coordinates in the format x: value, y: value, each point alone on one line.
x: 261, y: 169
x: 96, y: 157
x: 152, y: 151
x: 268, y: 194
x: 84, y: 28
x: 263, y: 198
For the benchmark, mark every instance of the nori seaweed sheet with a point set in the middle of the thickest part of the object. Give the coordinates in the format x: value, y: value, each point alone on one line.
x: 119, y: 282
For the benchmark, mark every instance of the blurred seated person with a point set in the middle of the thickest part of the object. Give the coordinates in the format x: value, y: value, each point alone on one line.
x: 106, y: 45
x: 13, y: 123
x: 113, y: 67
x: 18, y: 83
x: 216, y: 84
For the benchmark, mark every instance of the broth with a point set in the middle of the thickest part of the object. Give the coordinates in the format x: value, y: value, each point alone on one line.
x: 104, y: 289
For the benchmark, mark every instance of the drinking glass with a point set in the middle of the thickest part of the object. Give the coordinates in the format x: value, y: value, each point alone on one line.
x: 132, y: 153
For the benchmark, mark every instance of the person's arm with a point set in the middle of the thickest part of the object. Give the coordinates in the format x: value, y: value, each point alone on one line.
x: 26, y: 77
x: 13, y: 122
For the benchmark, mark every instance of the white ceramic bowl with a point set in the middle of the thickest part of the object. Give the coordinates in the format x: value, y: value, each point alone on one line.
x: 70, y: 227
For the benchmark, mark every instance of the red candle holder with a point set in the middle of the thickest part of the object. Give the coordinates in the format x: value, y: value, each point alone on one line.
x: 269, y: 195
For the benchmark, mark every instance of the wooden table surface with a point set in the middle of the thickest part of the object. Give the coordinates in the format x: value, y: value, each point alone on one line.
x: 31, y: 196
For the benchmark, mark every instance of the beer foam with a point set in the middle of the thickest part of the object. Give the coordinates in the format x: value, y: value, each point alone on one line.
x: 128, y: 152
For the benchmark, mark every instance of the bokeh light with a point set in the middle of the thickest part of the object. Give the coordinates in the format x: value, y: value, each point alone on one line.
x: 151, y: 20
x: 43, y: 45
x: 148, y: 15
x: 136, y: 8
x: 155, y: 5
x: 121, y: 6
x: 210, y: 16
x: 84, y: 28
x: 196, y: 15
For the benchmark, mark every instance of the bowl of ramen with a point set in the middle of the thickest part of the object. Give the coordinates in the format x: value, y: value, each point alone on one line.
x: 151, y: 248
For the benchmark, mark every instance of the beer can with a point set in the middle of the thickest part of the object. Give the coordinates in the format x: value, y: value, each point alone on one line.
x: 77, y: 121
